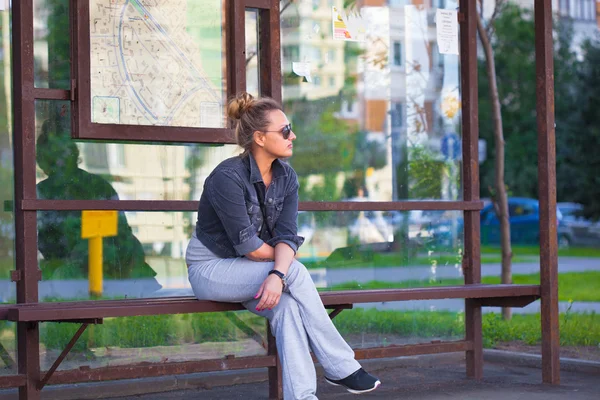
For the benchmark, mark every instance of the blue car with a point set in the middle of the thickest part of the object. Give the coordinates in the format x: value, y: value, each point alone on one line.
x: 524, y: 218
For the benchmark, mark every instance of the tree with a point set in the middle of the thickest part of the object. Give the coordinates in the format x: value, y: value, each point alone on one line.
x: 500, y: 198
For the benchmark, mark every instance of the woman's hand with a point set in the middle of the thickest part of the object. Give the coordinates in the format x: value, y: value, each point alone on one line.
x: 269, y: 293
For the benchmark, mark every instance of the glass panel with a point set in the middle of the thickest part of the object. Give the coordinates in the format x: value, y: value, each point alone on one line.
x: 124, y: 171
x: 158, y: 63
x: 8, y: 344
x: 382, y: 249
x: 51, y: 48
x: 252, y: 55
x: 402, y: 323
x: 183, y: 337
x: 391, y: 130
x: 144, y: 259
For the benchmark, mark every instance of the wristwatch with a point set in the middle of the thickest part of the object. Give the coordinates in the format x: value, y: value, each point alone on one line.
x: 281, y: 276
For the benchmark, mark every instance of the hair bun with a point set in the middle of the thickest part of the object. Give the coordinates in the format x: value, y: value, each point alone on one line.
x: 239, y: 105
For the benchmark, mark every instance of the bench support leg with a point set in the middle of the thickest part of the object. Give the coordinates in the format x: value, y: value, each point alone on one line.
x: 62, y: 356
x: 474, y: 335
x: 275, y: 381
x: 6, y: 358
x: 28, y: 346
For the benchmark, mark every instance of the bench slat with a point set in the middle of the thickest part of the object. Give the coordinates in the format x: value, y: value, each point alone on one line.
x: 180, y: 305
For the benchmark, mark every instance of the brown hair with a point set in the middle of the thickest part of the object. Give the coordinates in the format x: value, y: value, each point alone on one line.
x: 250, y: 115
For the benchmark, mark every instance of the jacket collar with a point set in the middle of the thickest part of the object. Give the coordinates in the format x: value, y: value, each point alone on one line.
x: 255, y: 176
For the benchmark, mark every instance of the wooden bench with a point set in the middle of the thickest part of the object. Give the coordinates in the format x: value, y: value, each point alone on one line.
x: 85, y: 313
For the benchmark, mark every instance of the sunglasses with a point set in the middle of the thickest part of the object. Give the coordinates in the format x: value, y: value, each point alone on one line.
x: 286, y: 131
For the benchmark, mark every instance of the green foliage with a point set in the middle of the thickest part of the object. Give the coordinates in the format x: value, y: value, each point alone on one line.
x: 514, y: 55
x: 424, y: 325
x: 424, y: 174
x: 578, y: 176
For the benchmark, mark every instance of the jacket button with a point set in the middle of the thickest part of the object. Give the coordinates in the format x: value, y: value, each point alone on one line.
x: 270, y: 200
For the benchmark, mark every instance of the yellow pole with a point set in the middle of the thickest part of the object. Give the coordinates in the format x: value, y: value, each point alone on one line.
x: 95, y: 266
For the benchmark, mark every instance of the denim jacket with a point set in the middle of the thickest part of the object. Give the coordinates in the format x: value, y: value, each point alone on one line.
x: 229, y: 215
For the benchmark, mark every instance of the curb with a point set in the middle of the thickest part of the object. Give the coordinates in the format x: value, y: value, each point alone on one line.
x: 208, y: 380
x: 535, y: 361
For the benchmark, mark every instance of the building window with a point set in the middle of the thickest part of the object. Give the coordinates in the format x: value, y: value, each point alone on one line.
x: 397, y: 115
x: 316, y: 4
x: 584, y: 10
x: 317, y: 80
x: 397, y: 53
x: 331, y: 81
x: 331, y: 56
x: 291, y: 52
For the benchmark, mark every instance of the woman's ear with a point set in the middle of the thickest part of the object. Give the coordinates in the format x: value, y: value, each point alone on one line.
x: 259, y: 138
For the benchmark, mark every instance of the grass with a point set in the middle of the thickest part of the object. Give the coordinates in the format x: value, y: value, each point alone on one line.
x: 383, y: 260
x: 519, y: 251
x: 572, y: 286
x: 575, y: 329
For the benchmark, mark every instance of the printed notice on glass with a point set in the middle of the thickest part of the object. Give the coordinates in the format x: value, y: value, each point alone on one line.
x: 302, y: 69
x: 447, y: 31
x: 349, y: 27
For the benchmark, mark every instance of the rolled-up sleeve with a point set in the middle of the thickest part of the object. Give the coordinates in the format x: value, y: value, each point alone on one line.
x: 227, y: 198
x: 286, y: 226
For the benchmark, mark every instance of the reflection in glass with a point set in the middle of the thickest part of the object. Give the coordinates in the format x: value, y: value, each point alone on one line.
x: 137, y: 171
x: 382, y: 249
x: 252, y: 55
x: 51, y: 48
x: 156, y: 339
x: 375, y: 102
x: 158, y: 63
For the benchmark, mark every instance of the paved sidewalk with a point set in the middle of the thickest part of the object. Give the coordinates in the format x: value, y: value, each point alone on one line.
x: 442, y: 377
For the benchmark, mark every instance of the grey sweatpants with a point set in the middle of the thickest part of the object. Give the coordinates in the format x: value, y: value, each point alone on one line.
x: 299, y: 322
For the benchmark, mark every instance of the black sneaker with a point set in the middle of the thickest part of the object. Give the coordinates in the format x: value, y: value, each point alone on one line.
x: 357, y: 383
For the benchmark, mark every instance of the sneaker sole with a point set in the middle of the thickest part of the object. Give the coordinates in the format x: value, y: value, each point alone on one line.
x: 377, y: 383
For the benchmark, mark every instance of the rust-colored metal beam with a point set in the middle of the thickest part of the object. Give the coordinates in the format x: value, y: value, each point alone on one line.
x: 12, y: 381
x: 260, y: 4
x: 517, y: 302
x: 25, y: 187
x: 51, y: 94
x: 413, y: 349
x: 275, y: 380
x: 470, y: 137
x: 475, y: 291
x: 270, y: 51
x: 62, y: 356
x: 145, y: 370
x: 338, y: 309
x: 547, y: 191
x: 186, y: 205
x: 6, y: 358
x: 236, y: 52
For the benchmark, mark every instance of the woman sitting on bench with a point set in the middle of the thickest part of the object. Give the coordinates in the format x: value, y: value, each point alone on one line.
x: 244, y: 245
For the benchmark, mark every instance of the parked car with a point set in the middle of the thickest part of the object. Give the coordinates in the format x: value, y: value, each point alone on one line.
x: 524, y: 218
x: 576, y: 229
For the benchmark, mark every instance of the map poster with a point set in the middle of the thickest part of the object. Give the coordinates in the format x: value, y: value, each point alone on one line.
x: 158, y: 62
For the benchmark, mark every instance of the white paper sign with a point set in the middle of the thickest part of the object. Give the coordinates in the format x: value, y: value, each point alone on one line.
x: 302, y: 69
x: 447, y: 31
x: 3, y: 5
